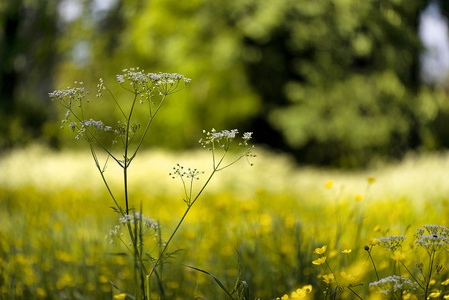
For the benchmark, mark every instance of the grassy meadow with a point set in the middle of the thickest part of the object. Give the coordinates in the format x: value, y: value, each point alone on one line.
x: 265, y: 225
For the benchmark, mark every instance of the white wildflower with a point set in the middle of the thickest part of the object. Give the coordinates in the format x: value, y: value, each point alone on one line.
x: 392, y: 284
x: 391, y: 242
x: 433, y: 237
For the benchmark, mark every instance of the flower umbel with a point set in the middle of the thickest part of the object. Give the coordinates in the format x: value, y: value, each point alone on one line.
x: 391, y: 284
x: 225, y: 140
x: 391, y: 242
x: 165, y: 83
x: 135, y: 219
x: 432, y: 237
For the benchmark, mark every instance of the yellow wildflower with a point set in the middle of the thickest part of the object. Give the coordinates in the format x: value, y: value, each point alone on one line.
x: 370, y: 180
x: 408, y: 296
x: 319, y: 261
x: 435, y: 294
x: 397, y: 256
x: 320, y: 250
x: 329, y: 184
x: 121, y: 296
x: 328, y: 278
x: 372, y: 242
x: 347, y: 277
x: 358, y: 198
x: 41, y: 292
x: 446, y: 297
x: 301, y: 293
x: 346, y: 251
x: 446, y: 282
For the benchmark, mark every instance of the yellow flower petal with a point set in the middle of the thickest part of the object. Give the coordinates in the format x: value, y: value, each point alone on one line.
x: 329, y: 184
x: 319, y: 261
x: 347, y: 277
x: 346, y: 251
x: 372, y: 242
x: 320, y: 250
x: 397, y: 256
x: 446, y: 282
x: 307, y: 288
x: 121, y: 296
x: 328, y: 278
x: 435, y: 294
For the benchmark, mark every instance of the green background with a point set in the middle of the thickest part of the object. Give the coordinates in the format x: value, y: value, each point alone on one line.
x: 332, y: 82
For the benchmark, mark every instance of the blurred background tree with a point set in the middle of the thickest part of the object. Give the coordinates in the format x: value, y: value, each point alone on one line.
x: 28, y: 52
x: 333, y: 82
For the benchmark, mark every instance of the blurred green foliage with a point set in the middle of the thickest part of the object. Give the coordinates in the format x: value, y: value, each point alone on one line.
x: 28, y: 34
x: 332, y: 81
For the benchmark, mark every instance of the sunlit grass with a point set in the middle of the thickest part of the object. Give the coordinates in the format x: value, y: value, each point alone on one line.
x: 55, y: 214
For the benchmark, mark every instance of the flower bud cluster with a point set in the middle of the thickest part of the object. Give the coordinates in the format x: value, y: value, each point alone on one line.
x: 224, y: 138
x: 113, y: 234
x: 135, y: 218
x: 83, y: 126
x: 190, y: 173
x: 138, y: 217
x: 68, y: 97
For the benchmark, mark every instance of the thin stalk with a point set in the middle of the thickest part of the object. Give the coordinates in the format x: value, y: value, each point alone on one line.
x: 374, y: 265
x: 411, y: 275
x: 146, y: 129
x: 116, y: 102
x: 140, y: 249
x: 97, y: 140
x: 354, y: 293
x: 126, y: 161
x: 94, y: 155
x: 432, y: 256
x: 185, y: 214
x: 125, y: 181
x: 215, y: 169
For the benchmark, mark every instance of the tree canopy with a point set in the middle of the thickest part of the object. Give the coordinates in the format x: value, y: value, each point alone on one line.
x: 332, y: 81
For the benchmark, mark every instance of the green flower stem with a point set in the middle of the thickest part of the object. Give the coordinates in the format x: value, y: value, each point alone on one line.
x: 116, y: 102
x: 94, y: 155
x: 372, y: 261
x: 354, y: 293
x: 125, y: 157
x: 187, y: 211
x: 146, y: 128
x: 411, y: 275
x: 431, y: 261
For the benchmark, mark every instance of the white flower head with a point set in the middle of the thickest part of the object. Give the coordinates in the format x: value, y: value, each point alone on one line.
x: 432, y: 237
x: 391, y: 284
x: 391, y: 242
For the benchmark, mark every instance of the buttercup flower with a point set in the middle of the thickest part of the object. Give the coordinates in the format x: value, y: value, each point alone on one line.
x: 320, y: 250
x: 328, y: 278
x: 319, y: 261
